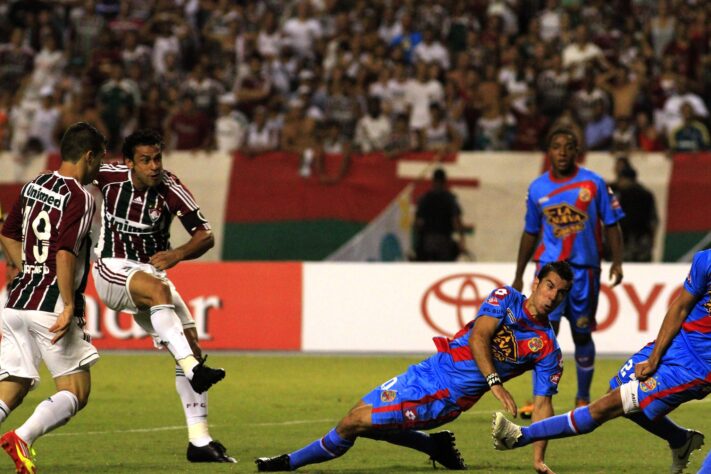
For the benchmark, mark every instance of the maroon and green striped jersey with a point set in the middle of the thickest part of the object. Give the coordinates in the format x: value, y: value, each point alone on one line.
x: 136, y: 223
x: 53, y: 213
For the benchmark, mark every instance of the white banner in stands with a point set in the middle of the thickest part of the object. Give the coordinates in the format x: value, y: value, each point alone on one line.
x: 400, y: 307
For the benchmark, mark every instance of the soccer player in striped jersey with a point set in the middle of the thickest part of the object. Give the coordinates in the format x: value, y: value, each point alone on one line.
x: 46, y: 236
x: 568, y: 208
x: 140, y: 200
x: 510, y: 335
x: 670, y: 371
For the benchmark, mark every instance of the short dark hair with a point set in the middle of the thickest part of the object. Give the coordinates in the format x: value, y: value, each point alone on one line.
x: 80, y: 138
x: 562, y: 269
x: 562, y: 131
x: 439, y: 175
x: 144, y: 136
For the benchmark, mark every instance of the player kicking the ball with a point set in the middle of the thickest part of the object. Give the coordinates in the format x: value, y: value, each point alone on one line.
x: 140, y: 199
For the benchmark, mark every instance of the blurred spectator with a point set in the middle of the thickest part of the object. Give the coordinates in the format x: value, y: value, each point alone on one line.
x: 172, y: 74
x: 269, y: 38
x: 408, y: 38
x: 152, y: 112
x: 45, y: 120
x: 230, y: 126
x: 302, y: 30
x: 15, y: 60
x: 48, y: 64
x: 494, y: 129
x: 581, y: 54
x: 623, y: 138
x: 204, y: 89
x: 431, y: 50
x: 261, y: 136
x: 417, y: 97
x: 86, y: 25
x: 252, y: 87
x: 648, y: 137
x: 134, y: 52
x: 438, y: 216
x: 298, y: 136
x: 439, y: 135
x: 396, y: 92
x: 599, y: 130
x: 188, y: 128
x: 331, y: 141
x: 550, y: 20
x: 672, y: 107
x: 341, y: 106
x: 531, y: 127
x: 115, y: 98
x: 586, y: 99
x: 622, y: 89
x: 661, y: 29
x: 691, y: 134
x: 373, y: 129
x: 400, y: 140
x: 639, y: 226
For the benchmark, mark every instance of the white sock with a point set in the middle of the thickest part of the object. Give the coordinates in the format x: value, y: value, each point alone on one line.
x: 167, y: 325
x: 50, y: 414
x: 195, y: 408
x: 4, y: 411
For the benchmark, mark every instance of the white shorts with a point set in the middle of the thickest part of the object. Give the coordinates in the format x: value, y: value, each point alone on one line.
x: 26, y: 341
x: 112, y: 277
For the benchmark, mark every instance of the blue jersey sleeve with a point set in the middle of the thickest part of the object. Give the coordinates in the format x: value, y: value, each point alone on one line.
x: 495, y: 305
x: 533, y: 219
x: 608, y: 205
x: 547, y: 373
x: 696, y: 281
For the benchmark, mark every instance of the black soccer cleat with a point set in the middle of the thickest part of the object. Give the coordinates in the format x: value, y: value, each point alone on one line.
x: 205, y: 377
x: 275, y: 464
x: 212, y: 452
x: 445, y: 451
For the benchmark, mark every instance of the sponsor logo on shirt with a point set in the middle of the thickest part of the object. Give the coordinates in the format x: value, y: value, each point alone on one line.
x: 35, y: 192
x: 504, y: 346
x: 565, y: 219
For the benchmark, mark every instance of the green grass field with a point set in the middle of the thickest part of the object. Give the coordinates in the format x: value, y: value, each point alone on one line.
x: 271, y: 404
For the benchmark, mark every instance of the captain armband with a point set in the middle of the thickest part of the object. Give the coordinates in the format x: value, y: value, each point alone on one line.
x: 493, y: 379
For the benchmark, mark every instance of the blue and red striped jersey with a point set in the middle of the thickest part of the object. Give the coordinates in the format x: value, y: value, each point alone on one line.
x: 570, y: 211
x: 696, y: 328
x: 521, y: 343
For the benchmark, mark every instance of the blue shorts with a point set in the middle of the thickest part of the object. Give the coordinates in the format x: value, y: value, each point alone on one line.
x: 412, y: 401
x: 680, y: 377
x: 580, y: 304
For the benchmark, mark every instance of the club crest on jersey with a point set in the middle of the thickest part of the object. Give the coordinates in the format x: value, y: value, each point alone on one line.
x: 555, y: 378
x: 535, y: 344
x: 410, y: 414
x: 388, y: 395
x: 565, y: 219
x: 707, y: 305
x: 504, y: 345
x: 585, y: 195
x: 154, y: 214
x: 648, y: 385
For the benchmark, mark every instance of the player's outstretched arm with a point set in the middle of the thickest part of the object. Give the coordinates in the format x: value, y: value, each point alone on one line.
x: 613, y: 234
x: 676, y: 314
x: 200, y: 242
x: 542, y: 409
x: 479, y: 343
x: 525, y: 252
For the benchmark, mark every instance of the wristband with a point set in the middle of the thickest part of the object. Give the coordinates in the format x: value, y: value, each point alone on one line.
x: 493, y: 379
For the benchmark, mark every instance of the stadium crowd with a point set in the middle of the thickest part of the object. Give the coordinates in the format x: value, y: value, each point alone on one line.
x: 376, y: 75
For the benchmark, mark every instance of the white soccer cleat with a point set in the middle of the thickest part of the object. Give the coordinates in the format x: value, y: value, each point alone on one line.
x: 504, y: 432
x: 681, y: 455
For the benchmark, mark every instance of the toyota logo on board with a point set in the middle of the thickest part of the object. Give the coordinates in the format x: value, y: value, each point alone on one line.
x: 453, y: 301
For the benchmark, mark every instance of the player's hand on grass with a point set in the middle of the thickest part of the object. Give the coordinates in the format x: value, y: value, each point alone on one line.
x: 615, y: 274
x: 61, y: 326
x: 541, y: 468
x: 645, y: 369
x: 505, y: 398
x: 165, y: 259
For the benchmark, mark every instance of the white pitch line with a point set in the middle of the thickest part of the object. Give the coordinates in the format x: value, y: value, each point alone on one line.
x: 275, y: 423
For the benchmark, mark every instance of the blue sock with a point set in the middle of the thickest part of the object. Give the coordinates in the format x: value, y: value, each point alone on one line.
x: 418, y: 440
x: 570, y: 424
x: 665, y: 428
x: 329, y: 447
x: 706, y: 466
x: 585, y: 365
